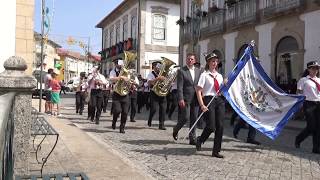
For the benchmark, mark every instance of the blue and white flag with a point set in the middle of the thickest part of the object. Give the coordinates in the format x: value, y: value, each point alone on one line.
x: 257, y: 99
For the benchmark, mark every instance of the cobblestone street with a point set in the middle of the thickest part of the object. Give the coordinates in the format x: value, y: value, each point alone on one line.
x: 154, y: 151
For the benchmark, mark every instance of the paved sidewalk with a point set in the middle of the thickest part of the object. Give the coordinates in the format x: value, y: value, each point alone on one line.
x: 76, y: 151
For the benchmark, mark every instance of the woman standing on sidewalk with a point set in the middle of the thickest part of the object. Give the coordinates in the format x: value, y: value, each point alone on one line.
x: 55, y: 96
x: 310, y: 87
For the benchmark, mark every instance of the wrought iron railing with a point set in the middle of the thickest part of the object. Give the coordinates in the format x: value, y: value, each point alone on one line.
x: 6, y: 136
x: 242, y: 12
x: 274, y: 8
x: 216, y: 21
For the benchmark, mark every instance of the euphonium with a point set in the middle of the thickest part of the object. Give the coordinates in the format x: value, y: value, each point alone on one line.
x: 122, y: 87
x: 169, y: 71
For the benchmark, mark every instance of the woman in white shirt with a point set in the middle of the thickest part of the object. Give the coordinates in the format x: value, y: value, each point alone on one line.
x: 208, y: 87
x: 310, y: 87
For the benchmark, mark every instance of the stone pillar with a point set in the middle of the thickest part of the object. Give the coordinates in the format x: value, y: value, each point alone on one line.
x: 230, y: 50
x: 14, y: 79
x: 265, y: 47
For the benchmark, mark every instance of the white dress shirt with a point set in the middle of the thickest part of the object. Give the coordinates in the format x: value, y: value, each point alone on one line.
x: 206, y: 82
x: 191, y: 70
x: 309, y: 88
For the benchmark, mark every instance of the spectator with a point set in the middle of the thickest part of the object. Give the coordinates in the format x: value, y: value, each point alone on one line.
x: 55, y: 96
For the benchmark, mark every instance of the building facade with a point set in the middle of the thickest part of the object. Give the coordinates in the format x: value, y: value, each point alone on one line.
x: 146, y: 27
x: 73, y: 63
x: 286, y: 33
x: 16, y: 33
x: 51, y: 56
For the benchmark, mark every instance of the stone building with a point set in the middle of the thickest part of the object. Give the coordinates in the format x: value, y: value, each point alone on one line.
x: 16, y: 33
x: 147, y: 27
x: 286, y: 33
x: 51, y: 56
x: 73, y: 63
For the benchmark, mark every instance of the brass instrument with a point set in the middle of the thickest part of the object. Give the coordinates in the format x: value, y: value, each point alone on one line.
x: 169, y: 70
x: 123, y: 87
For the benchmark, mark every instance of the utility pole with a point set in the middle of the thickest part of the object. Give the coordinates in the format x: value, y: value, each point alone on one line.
x: 42, y: 46
x: 88, y: 53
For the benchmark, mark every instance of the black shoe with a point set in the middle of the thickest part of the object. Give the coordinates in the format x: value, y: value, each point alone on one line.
x: 76, y: 111
x: 192, y: 142
x: 104, y: 111
x: 149, y: 123
x: 235, y: 135
x: 122, y: 131
x: 80, y: 112
x: 91, y: 120
x: 113, y: 126
x: 97, y: 122
x: 252, y: 141
x: 198, y: 144
x: 132, y: 120
x: 162, y: 128
x: 175, y: 135
x: 296, y: 144
x: 217, y: 155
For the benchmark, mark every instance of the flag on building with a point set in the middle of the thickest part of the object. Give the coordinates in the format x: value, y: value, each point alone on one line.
x: 257, y: 99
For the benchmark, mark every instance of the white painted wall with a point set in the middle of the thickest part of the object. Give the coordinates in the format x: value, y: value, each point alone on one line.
x: 312, y: 36
x: 151, y: 56
x: 7, y: 30
x: 264, y: 47
x: 230, y: 50
x: 172, y: 29
x: 203, y: 50
x: 113, y: 24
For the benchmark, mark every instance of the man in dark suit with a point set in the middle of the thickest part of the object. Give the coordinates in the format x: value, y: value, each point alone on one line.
x: 187, y: 80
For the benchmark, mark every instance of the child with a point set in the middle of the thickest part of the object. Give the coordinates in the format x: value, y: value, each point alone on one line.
x: 55, y: 97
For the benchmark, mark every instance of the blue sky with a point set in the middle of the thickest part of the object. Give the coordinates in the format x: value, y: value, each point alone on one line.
x: 75, y: 18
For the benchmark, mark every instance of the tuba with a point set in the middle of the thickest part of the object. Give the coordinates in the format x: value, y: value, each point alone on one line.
x: 169, y: 70
x: 123, y: 87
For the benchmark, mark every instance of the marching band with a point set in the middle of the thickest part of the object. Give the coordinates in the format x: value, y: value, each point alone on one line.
x: 193, y: 89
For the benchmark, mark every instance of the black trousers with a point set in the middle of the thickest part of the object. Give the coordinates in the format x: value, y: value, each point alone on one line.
x: 133, y: 104
x: 188, y: 114
x: 140, y: 100
x: 174, y: 102
x: 105, y: 99
x: 95, y: 105
x: 312, y: 115
x: 120, y: 105
x: 147, y: 99
x: 154, y: 102
x: 80, y: 99
x: 214, y: 122
x: 242, y: 124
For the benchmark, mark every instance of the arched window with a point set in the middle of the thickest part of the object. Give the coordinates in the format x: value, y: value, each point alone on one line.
x: 287, y: 64
x: 134, y: 27
x: 125, y: 30
x: 159, y: 27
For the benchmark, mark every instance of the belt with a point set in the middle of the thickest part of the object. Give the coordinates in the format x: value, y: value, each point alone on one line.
x: 314, y: 102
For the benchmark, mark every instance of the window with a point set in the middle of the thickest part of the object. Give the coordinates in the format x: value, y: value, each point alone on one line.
x: 125, y: 30
x: 159, y: 27
x: 105, y: 38
x: 133, y: 26
x: 117, y: 33
x: 111, y: 37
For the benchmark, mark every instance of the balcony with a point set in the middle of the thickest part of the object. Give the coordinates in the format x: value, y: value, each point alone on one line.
x: 275, y: 8
x: 243, y: 12
x: 213, y: 23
